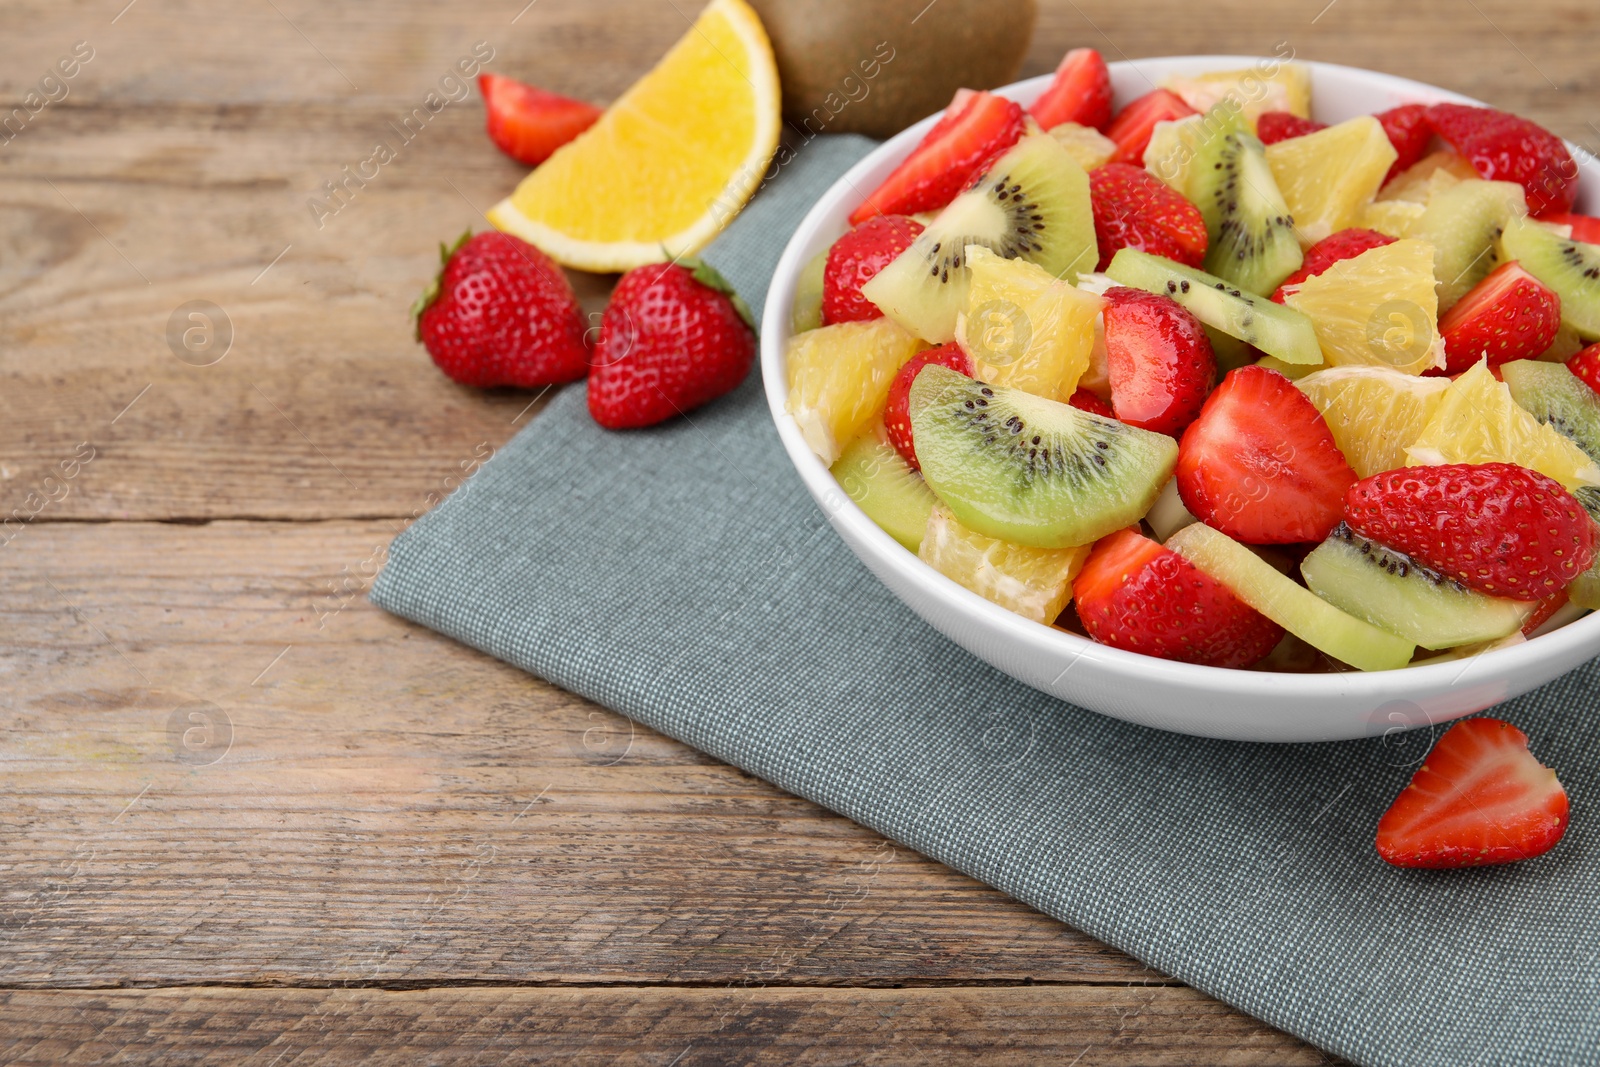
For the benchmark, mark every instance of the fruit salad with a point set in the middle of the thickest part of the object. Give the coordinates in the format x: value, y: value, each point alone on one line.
x: 1204, y: 378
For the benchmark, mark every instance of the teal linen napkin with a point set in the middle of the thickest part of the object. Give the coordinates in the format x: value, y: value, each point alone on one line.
x: 682, y: 576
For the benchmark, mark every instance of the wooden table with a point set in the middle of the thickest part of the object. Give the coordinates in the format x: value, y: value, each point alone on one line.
x: 249, y: 818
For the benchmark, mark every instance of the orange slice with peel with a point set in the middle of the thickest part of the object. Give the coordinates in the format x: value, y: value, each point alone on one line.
x: 669, y: 164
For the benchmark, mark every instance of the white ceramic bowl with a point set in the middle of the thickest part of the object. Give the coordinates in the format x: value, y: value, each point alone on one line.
x: 1208, y: 701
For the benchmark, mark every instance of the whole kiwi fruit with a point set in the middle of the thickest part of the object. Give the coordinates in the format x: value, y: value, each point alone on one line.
x: 877, y: 66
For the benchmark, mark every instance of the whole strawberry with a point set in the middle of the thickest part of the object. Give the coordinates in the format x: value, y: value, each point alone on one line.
x: 674, y: 336
x: 501, y: 313
x: 855, y: 258
x: 1495, y: 527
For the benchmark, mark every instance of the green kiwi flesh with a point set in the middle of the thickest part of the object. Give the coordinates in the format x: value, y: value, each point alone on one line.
x: 1273, y: 328
x: 884, y: 486
x: 1464, y: 224
x: 1252, y: 240
x: 1585, y: 589
x: 1029, y: 470
x: 1571, y: 268
x: 1395, y: 593
x: 1032, y: 202
x: 805, y: 313
x: 1559, y: 399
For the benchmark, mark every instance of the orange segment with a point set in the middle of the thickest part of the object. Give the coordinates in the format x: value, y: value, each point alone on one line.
x: 669, y: 164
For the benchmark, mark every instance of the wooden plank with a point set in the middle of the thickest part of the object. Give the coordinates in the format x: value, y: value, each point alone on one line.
x: 1089, y: 1026
x: 391, y: 807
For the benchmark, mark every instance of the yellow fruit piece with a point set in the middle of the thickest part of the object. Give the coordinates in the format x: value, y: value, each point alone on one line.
x: 1418, y: 182
x: 1327, y: 177
x: 1269, y: 86
x: 1292, y: 371
x: 1396, y: 218
x: 1375, y: 413
x: 1377, y: 309
x: 669, y: 164
x: 839, y: 379
x: 1172, y: 148
x: 1036, y: 583
x: 1478, y: 422
x: 1025, y: 328
x: 1088, y: 147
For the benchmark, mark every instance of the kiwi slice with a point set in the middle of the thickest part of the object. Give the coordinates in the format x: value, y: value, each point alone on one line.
x: 1396, y: 593
x: 884, y: 486
x: 1032, y: 203
x: 805, y: 313
x: 1570, y: 267
x: 1252, y: 240
x: 1464, y: 223
x: 1556, y: 397
x: 1032, y: 471
x: 1274, y: 329
x: 1290, y: 605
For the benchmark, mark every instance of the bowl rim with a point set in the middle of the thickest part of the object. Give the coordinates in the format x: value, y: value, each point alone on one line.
x: 1048, y: 640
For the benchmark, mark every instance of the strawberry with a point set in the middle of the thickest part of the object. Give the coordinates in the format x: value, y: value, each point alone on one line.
x: 673, y: 337
x: 1135, y: 595
x: 501, y: 313
x: 1135, y: 209
x: 1586, y: 365
x: 1496, y: 527
x: 1084, y: 400
x: 855, y: 258
x: 1260, y: 464
x: 1507, y: 316
x: 975, y: 126
x: 1584, y: 228
x: 1133, y: 125
x: 897, y: 412
x: 1159, y: 360
x: 1506, y: 148
x: 1409, y: 131
x: 1541, y: 615
x: 1275, y: 126
x: 527, y: 123
x: 1081, y: 92
x: 1479, y: 797
x: 1346, y: 244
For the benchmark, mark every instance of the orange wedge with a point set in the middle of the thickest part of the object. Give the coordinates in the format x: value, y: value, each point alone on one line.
x: 669, y: 164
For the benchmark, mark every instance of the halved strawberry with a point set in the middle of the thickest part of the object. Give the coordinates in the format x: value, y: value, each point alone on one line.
x: 1084, y: 400
x: 1133, y: 125
x: 1479, y: 797
x: 975, y: 126
x: 1159, y: 360
x: 1260, y: 463
x: 897, y: 411
x: 527, y: 123
x: 1081, y: 92
x: 1584, y: 228
x: 1586, y: 365
x: 1505, y: 148
x: 1409, y: 131
x: 1275, y: 126
x: 1136, y: 595
x: 1135, y: 209
x: 1346, y: 244
x: 1507, y: 316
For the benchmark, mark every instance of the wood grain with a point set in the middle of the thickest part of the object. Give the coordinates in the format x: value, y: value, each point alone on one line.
x: 394, y: 821
x: 1088, y: 1026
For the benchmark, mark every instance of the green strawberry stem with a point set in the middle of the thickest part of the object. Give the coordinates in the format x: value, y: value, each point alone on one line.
x: 431, y: 292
